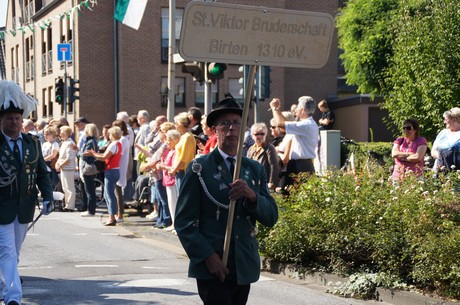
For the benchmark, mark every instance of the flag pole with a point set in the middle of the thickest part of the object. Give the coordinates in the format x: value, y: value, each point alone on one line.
x: 231, y: 209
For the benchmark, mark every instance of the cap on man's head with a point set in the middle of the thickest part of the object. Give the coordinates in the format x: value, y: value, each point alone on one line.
x: 201, y: 137
x: 307, y: 103
x: 82, y: 120
x: 227, y: 105
x: 14, y: 100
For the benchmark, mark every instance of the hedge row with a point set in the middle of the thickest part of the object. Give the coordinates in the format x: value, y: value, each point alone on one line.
x: 347, y: 223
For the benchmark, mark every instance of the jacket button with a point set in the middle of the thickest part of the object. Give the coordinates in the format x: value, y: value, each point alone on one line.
x: 237, y: 237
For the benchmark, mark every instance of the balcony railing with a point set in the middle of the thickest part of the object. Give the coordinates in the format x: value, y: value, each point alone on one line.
x: 71, y: 53
x: 15, y: 74
x: 32, y: 69
x: 50, y: 60
x: 44, y: 64
x: 28, y: 71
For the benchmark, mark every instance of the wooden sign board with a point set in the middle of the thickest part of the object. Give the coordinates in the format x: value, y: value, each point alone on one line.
x: 252, y: 35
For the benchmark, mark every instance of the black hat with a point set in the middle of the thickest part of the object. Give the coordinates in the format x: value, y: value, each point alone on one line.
x: 11, y: 109
x: 82, y: 120
x: 227, y: 105
x: 201, y: 137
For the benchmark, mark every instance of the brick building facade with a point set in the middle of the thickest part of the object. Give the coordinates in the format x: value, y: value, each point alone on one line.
x: 121, y: 69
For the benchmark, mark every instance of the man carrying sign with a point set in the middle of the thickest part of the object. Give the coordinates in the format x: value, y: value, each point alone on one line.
x: 202, y: 211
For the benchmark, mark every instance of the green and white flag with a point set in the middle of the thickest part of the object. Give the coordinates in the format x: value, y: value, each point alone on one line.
x: 130, y: 12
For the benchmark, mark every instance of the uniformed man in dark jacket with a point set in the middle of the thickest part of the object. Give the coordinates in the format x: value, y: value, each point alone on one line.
x: 22, y: 170
x: 202, y: 210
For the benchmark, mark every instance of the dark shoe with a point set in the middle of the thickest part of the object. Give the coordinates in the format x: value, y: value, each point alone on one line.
x: 13, y: 303
x: 67, y: 210
x: 110, y: 223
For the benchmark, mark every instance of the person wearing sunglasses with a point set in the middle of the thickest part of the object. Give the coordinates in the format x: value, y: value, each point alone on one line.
x: 409, y: 151
x: 265, y: 153
x: 447, y: 142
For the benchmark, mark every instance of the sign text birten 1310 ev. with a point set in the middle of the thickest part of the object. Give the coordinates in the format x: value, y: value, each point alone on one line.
x: 253, y: 35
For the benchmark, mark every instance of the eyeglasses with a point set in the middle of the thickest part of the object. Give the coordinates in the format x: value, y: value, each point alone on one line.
x: 227, y: 123
x: 408, y: 128
x: 260, y: 134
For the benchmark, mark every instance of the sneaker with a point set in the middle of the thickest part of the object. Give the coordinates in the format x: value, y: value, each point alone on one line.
x: 153, y: 216
x: 86, y: 214
x: 133, y: 203
x: 119, y: 220
x: 169, y: 229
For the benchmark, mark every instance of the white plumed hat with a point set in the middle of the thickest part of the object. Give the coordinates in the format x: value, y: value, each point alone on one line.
x: 14, y: 99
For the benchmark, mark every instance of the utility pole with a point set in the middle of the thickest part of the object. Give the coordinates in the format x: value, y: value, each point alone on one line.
x: 171, y: 65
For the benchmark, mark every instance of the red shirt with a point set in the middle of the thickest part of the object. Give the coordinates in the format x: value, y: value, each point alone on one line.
x: 114, y: 161
x: 210, y: 144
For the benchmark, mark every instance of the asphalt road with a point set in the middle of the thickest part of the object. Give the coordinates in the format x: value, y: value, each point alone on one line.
x: 68, y: 259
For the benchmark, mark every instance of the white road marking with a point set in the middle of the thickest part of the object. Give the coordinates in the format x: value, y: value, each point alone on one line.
x: 147, y: 283
x: 97, y: 266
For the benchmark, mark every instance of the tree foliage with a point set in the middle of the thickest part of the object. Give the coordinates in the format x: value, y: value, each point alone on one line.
x: 406, y: 51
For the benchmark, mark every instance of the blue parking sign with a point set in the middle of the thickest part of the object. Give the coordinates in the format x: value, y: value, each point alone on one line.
x: 64, y: 51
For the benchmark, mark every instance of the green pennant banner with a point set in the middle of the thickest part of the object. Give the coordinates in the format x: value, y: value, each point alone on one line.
x: 46, y: 23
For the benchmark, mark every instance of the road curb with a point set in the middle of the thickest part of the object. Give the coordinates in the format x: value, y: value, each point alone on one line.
x: 331, y: 281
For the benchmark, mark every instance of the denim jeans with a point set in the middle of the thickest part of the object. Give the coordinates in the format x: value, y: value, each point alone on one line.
x: 179, y: 177
x: 90, y: 191
x: 164, y: 217
x: 111, y: 177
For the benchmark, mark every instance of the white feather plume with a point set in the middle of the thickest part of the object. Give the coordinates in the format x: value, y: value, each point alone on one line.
x: 12, y: 93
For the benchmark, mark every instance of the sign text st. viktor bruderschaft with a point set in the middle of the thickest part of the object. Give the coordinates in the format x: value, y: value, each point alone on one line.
x: 253, y: 35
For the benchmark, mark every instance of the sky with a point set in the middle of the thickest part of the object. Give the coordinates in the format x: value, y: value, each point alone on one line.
x: 3, y: 7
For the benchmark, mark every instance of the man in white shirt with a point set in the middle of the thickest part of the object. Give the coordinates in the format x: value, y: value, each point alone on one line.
x: 305, y: 136
x: 143, y: 118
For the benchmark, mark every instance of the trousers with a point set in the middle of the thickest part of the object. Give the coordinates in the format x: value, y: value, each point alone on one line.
x: 11, y: 238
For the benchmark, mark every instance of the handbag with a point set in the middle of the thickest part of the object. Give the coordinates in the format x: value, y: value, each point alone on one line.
x: 52, y: 164
x: 89, y: 169
x: 100, y: 166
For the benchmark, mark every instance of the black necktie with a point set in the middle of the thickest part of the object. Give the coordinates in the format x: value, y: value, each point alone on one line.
x: 16, y: 153
x: 232, y: 165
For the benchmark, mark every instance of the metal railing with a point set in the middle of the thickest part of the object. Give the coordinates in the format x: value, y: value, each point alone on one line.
x: 44, y: 64
x: 50, y: 60
x: 28, y: 71
x: 32, y: 69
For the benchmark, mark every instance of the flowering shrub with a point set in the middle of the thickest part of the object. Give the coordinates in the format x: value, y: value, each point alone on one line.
x: 346, y: 223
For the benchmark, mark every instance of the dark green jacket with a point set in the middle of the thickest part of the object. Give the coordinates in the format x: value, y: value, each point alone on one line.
x: 199, y: 231
x: 18, y: 184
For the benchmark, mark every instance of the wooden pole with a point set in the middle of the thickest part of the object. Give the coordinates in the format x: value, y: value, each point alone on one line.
x: 236, y: 174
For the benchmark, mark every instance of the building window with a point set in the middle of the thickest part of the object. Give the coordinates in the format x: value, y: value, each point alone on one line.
x: 50, y: 102
x: 44, y: 103
x: 199, y: 94
x: 165, y: 31
x: 179, y: 92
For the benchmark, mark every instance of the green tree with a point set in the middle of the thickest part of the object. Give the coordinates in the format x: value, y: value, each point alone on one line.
x: 406, y: 51
x: 423, y: 76
x: 366, y: 38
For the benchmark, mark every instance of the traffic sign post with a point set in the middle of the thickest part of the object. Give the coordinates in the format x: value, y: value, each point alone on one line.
x: 251, y: 35
x: 64, y: 54
x: 64, y: 51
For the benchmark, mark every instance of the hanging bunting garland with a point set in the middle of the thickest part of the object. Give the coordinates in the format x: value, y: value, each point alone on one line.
x: 89, y: 4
